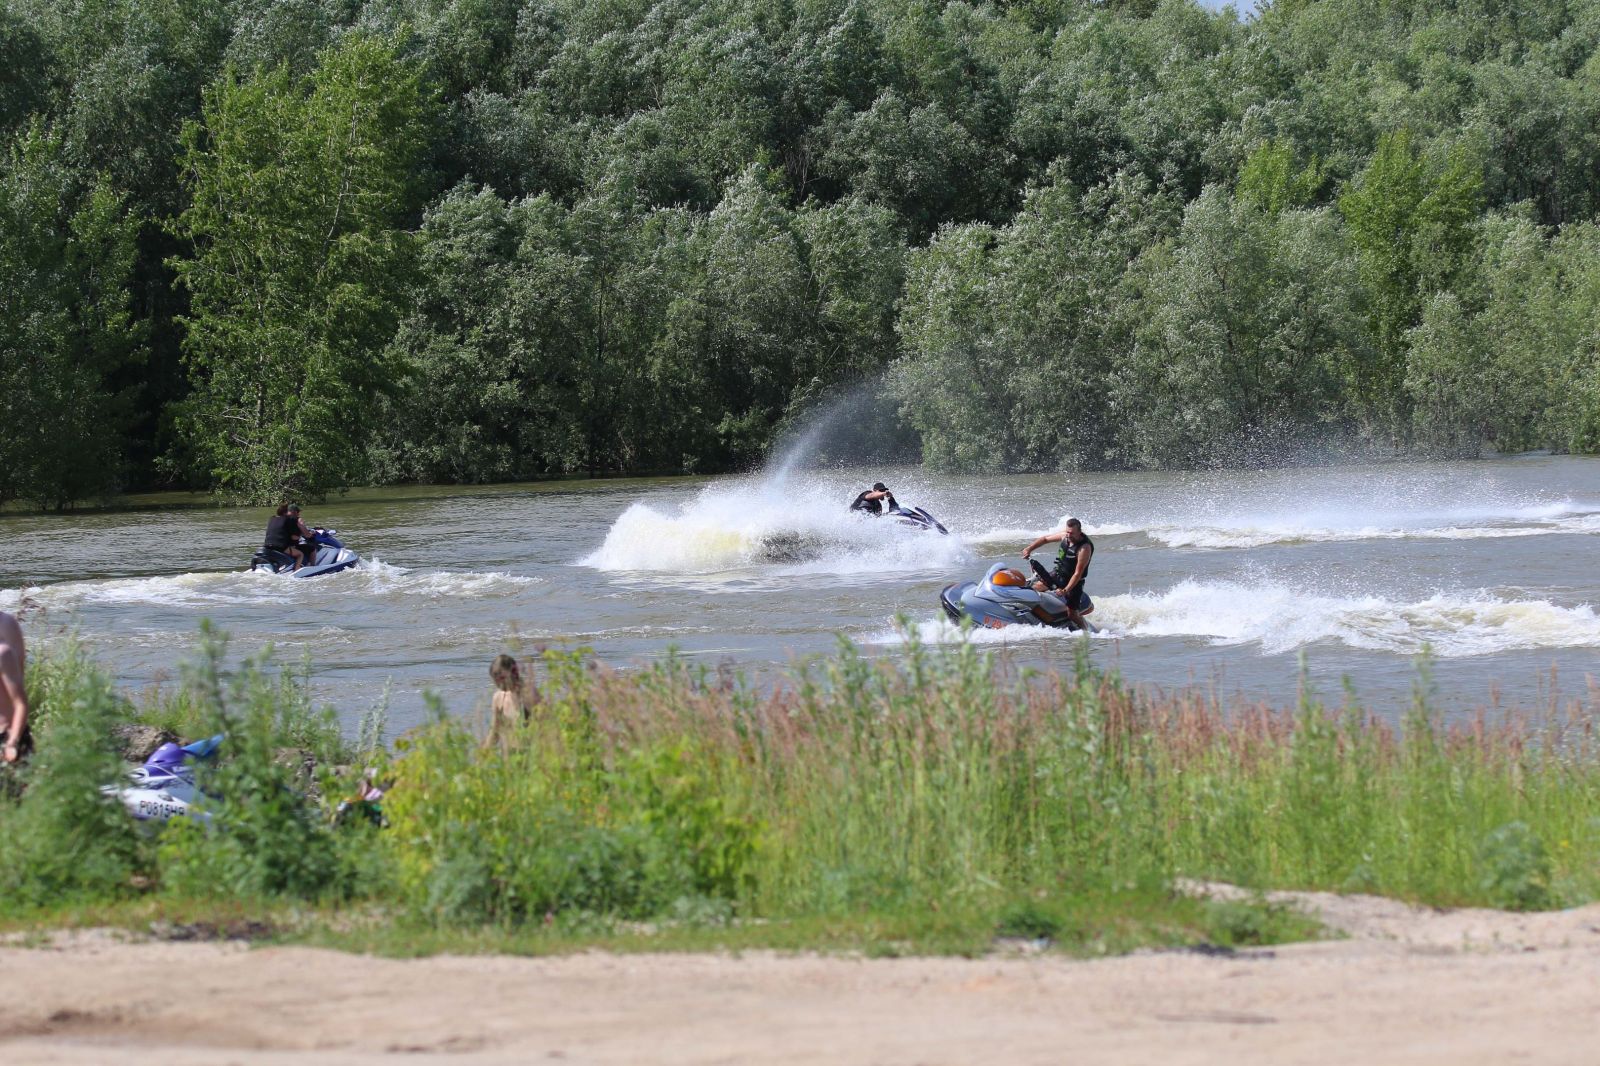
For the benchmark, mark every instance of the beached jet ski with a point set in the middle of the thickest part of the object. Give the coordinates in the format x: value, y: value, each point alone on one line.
x: 163, y: 788
x: 1004, y: 598
x: 331, y: 557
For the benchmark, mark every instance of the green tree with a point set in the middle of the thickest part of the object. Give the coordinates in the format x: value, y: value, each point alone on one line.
x: 1241, y: 328
x: 1512, y: 359
x: 1270, y: 180
x: 758, y: 312
x: 301, y: 191
x: 1412, y: 228
x: 1013, y: 336
x: 66, y: 250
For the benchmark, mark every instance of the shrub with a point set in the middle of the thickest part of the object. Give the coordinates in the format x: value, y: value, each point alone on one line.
x: 265, y: 838
x: 539, y: 830
x: 1515, y: 868
x: 64, y: 841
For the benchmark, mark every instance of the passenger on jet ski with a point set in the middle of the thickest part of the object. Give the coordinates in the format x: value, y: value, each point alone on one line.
x: 1072, y: 567
x: 871, y: 500
x: 284, y: 533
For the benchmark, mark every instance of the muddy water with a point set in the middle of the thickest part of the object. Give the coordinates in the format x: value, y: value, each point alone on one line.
x: 1219, y: 579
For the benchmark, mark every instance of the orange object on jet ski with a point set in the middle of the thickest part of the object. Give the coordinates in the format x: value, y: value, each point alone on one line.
x: 1009, y: 579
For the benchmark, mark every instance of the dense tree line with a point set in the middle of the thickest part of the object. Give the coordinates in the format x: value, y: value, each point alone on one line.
x: 270, y: 246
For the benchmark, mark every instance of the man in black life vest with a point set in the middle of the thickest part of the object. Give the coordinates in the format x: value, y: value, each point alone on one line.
x: 873, y: 500
x: 1072, y: 567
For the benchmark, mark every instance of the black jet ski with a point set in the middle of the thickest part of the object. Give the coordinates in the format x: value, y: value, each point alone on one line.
x: 1004, y: 598
x: 916, y: 516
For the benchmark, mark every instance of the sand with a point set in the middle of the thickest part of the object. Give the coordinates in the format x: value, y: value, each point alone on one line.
x: 1408, y: 985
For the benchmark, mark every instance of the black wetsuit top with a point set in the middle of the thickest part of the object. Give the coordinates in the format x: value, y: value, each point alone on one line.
x: 282, y: 531
x: 873, y: 506
x: 1067, y: 562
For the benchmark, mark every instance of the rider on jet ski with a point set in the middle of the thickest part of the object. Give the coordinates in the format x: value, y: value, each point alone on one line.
x: 871, y: 500
x: 286, y: 533
x: 1072, y: 567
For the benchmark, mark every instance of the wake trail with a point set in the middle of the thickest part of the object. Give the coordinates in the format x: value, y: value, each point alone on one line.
x: 201, y: 591
x: 1279, y: 619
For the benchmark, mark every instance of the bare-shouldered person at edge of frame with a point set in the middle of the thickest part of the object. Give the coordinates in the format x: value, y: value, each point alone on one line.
x: 874, y: 500
x: 513, y: 702
x: 15, y: 734
x: 1071, y: 569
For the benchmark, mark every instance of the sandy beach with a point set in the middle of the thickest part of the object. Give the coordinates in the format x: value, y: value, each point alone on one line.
x: 1406, y: 985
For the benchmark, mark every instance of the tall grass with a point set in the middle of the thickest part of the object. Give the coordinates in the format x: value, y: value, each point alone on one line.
x: 943, y: 786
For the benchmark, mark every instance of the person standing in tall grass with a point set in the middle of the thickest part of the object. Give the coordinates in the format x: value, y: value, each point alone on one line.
x: 16, y: 737
x: 513, y: 702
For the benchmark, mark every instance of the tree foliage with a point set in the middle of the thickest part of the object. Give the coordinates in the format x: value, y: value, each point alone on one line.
x: 480, y: 239
x: 300, y: 192
x: 66, y: 249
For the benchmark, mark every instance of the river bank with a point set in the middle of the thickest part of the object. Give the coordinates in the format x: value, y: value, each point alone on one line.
x: 1404, y: 985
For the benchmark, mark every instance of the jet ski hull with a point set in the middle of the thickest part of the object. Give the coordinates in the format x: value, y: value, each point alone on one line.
x: 973, y: 602
x: 164, y: 787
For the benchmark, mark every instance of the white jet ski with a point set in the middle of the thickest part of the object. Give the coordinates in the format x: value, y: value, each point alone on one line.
x: 163, y: 788
x: 331, y: 556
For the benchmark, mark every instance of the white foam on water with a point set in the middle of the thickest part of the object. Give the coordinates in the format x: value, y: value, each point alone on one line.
x: 1278, y: 619
x: 1312, y: 522
x: 943, y: 631
x: 1015, y: 535
x: 1242, y: 524
x: 203, y: 591
x: 784, y: 527
x: 377, y: 576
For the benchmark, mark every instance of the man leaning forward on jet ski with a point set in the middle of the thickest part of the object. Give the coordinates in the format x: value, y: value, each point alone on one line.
x: 1072, y: 567
x: 872, y: 500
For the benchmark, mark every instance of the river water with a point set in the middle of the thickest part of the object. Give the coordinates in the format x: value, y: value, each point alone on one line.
x: 1218, y: 579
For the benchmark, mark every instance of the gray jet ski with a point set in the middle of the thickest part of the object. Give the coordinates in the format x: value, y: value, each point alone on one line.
x: 1011, y: 601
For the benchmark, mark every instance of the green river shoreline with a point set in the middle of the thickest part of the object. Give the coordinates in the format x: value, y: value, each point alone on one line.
x: 941, y: 803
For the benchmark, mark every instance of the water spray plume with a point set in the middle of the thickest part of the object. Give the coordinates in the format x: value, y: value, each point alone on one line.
x: 857, y: 425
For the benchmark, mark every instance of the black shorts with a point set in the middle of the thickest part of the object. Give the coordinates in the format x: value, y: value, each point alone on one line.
x: 1055, y: 581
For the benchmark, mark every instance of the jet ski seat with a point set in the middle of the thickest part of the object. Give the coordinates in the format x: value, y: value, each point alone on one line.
x: 276, y: 558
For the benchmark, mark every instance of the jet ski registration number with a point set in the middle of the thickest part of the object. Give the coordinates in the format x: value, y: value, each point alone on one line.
x: 161, y: 809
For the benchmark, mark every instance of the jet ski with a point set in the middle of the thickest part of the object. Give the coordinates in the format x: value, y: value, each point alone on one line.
x: 790, y: 546
x: 163, y: 788
x: 1005, y: 598
x: 330, y: 558
x: 916, y: 516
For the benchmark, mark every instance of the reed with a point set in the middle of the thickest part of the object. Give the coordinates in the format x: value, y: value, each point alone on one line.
x: 944, y: 791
